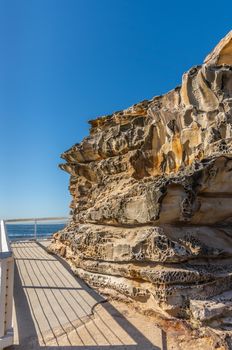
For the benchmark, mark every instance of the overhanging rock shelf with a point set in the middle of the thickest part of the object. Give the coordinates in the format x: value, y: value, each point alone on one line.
x: 151, y: 194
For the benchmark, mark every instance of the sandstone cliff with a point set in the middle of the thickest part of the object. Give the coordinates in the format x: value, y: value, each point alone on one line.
x: 152, y: 198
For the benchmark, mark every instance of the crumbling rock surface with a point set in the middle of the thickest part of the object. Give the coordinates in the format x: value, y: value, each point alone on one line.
x: 151, y: 194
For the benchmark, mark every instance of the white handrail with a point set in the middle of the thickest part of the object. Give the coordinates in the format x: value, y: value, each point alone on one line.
x: 38, y: 219
x: 6, y: 289
x: 35, y: 222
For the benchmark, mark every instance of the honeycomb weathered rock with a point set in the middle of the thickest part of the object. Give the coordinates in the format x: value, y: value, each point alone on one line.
x: 152, y: 194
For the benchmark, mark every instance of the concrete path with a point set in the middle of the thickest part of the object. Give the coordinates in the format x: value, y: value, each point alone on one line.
x: 55, y: 310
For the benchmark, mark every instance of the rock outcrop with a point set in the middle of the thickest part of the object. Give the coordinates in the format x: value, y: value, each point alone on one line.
x: 152, y: 196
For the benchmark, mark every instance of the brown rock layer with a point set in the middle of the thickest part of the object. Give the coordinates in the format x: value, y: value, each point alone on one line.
x: 152, y: 195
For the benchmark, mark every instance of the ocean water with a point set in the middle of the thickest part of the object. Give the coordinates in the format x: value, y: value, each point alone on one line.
x: 26, y: 231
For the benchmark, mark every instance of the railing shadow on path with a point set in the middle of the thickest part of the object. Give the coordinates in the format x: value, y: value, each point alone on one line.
x: 46, y: 291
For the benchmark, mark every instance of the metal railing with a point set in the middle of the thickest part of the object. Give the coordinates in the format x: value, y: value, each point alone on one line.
x: 35, y: 235
x: 6, y: 289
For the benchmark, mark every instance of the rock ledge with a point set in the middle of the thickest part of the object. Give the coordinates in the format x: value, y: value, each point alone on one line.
x: 152, y: 197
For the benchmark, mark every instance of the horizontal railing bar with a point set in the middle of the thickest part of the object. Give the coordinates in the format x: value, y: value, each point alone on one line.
x: 5, y: 255
x: 37, y: 219
x: 31, y: 234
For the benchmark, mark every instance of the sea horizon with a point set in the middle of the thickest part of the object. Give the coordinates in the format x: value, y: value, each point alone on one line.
x: 26, y: 231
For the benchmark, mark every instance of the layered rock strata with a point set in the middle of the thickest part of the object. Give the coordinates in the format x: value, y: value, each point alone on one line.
x: 151, y: 194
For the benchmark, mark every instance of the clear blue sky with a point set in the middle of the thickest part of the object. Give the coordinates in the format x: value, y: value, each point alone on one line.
x: 64, y: 62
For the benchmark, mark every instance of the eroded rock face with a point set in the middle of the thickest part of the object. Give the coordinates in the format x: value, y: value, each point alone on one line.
x: 152, y: 195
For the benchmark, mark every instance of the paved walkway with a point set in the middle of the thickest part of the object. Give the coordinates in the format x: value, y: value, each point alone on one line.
x: 55, y: 310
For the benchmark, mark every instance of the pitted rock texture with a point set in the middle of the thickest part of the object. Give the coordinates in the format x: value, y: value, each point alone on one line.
x: 151, y: 194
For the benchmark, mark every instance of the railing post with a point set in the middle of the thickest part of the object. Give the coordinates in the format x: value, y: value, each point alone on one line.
x: 6, y: 289
x: 35, y: 230
x: 3, y: 298
x: 9, y: 293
